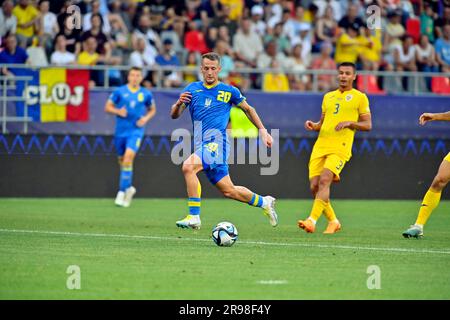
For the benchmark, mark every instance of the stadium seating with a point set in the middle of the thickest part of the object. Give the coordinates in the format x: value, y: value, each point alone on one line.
x: 413, y: 28
x: 440, y: 85
x: 368, y: 84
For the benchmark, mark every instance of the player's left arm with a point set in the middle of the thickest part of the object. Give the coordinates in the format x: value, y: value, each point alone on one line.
x: 253, y: 116
x: 148, y: 116
x: 426, y: 117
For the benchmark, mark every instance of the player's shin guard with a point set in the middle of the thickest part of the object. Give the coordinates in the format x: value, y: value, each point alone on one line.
x: 126, y: 176
x: 256, y: 201
x: 194, y: 206
x: 328, y: 212
x: 429, y: 203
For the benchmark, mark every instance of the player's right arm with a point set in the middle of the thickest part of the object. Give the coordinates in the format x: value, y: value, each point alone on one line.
x: 314, y: 126
x: 426, y: 117
x: 110, y: 106
x: 179, y: 106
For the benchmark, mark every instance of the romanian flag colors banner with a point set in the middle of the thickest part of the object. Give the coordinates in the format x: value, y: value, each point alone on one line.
x: 54, y: 94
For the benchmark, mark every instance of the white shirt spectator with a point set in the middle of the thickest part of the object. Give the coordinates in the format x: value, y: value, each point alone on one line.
x: 50, y: 21
x: 250, y: 46
x: 336, y: 5
x: 37, y: 56
x: 60, y: 58
x: 151, y: 37
x: 141, y: 60
x: 7, y: 24
x: 405, y: 57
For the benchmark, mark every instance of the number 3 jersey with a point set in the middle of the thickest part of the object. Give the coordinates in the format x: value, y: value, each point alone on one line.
x: 210, y: 112
x: 339, y: 107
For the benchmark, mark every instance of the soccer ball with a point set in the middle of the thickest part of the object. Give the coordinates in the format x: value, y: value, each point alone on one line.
x: 224, y: 234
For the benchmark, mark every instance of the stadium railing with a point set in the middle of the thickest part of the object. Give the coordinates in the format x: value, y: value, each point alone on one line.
x: 415, y: 83
x: 8, y: 84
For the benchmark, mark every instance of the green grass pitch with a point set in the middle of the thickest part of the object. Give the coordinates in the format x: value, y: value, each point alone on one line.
x: 138, y: 253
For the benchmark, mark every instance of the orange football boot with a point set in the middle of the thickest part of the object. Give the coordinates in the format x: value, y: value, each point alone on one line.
x: 333, y: 227
x: 306, y: 225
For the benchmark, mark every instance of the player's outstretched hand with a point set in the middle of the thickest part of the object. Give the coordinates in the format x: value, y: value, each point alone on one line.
x: 425, y: 117
x: 266, y: 138
x: 185, y: 98
x: 122, y: 112
x: 309, y: 125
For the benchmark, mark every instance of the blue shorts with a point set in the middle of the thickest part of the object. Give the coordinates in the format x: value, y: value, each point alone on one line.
x: 132, y: 142
x: 214, y: 165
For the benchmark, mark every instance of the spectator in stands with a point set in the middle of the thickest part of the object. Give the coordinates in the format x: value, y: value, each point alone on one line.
x: 90, y: 57
x: 143, y: 30
x: 48, y: 26
x: 442, y: 47
x: 222, y: 48
x: 103, y: 47
x: 258, y: 24
x: 347, y: 46
x: 441, y: 22
x: 176, y: 34
x: 394, y: 31
x: 36, y: 53
x: 222, y: 19
x: 73, y: 38
x: 351, y: 19
x: 118, y: 10
x: 305, y: 39
x: 295, y: 63
x: 236, y: 8
x: 212, y: 34
x: 27, y: 22
x: 294, y: 26
x: 194, y: 40
x: 283, y: 43
x: 427, y: 21
x: 12, y: 54
x: 192, y: 62
x: 119, y: 38
x: 271, y: 53
x: 247, y: 45
x: 326, y: 28
x: 325, y: 82
x: 168, y: 58
x: 336, y: 5
x: 405, y: 55
x: 139, y: 59
x: 95, y: 10
x: 275, y: 81
x: 370, y: 49
x: 274, y: 20
x: 224, y: 35
x: 426, y: 55
x: 8, y: 21
x: 61, y: 56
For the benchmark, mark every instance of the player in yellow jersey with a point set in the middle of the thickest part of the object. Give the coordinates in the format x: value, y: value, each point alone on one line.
x: 344, y: 111
x: 433, y: 195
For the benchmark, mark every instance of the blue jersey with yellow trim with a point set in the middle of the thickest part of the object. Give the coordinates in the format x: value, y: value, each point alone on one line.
x: 210, y: 108
x: 137, y: 104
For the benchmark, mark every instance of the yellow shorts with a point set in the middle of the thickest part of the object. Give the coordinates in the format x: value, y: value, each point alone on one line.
x: 447, y: 158
x: 332, y: 162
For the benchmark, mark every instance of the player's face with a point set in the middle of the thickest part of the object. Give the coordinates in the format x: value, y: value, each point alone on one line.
x: 346, y: 76
x: 135, y: 78
x: 210, y: 71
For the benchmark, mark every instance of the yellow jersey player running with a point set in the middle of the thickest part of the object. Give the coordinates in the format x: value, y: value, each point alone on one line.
x: 344, y: 111
x: 433, y: 195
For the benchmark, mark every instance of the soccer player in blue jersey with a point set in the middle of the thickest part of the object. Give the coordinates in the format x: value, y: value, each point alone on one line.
x: 133, y: 106
x: 209, y: 103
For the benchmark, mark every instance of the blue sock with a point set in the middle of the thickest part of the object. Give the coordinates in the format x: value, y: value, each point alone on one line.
x: 126, y: 177
x: 194, y: 206
x: 257, y: 201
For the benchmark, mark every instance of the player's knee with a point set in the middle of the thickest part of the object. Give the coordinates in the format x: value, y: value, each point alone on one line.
x: 439, y: 183
x: 324, y: 182
x: 187, y: 169
x: 314, y: 188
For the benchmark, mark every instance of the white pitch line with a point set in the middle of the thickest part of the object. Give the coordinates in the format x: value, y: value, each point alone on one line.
x: 261, y: 243
x: 272, y: 282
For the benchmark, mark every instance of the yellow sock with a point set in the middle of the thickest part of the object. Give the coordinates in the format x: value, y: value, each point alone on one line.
x: 429, y: 203
x: 317, y: 209
x: 199, y: 190
x: 328, y: 212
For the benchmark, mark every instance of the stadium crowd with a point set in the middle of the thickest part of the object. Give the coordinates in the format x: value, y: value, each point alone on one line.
x: 285, y: 36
